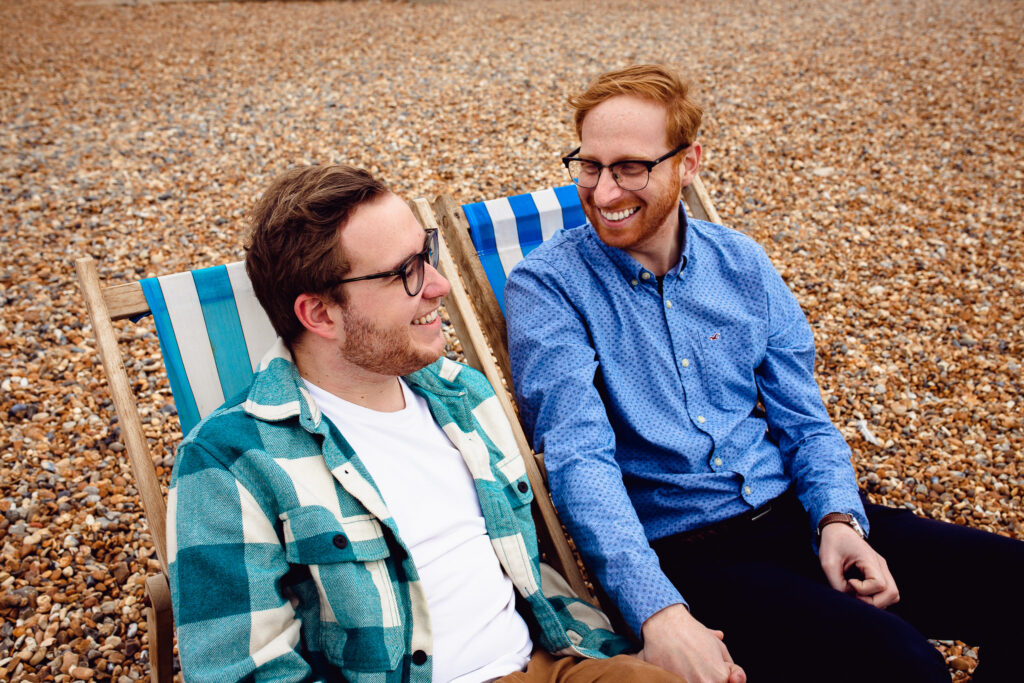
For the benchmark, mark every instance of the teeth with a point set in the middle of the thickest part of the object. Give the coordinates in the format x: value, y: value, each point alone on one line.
x: 427, y: 319
x: 619, y: 215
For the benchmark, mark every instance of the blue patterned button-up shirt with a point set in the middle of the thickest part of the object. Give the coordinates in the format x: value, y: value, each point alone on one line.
x: 665, y: 408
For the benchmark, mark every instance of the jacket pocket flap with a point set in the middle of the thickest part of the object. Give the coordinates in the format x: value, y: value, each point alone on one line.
x: 313, y: 535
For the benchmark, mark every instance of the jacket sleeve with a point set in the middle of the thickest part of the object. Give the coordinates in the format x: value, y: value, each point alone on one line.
x: 226, y: 568
x: 554, y: 366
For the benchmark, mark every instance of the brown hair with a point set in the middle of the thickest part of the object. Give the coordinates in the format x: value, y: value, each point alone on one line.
x: 650, y: 82
x: 292, y: 247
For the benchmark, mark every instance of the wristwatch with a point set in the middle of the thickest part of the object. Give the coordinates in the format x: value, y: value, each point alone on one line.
x: 840, y: 518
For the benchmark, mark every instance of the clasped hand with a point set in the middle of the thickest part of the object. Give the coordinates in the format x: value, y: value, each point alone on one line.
x: 677, y: 642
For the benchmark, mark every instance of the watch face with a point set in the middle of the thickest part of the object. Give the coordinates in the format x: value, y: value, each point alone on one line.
x: 856, y: 527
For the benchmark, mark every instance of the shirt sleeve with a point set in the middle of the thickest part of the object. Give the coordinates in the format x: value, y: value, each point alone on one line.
x: 226, y: 569
x: 817, y: 456
x: 554, y: 367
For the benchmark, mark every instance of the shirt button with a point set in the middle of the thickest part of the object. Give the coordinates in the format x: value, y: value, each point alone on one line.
x: 686, y: 362
x: 746, y: 490
x: 523, y: 487
x: 645, y: 276
x: 700, y: 418
x: 634, y: 282
x: 419, y: 658
x: 668, y: 304
x: 339, y: 541
x: 718, y: 461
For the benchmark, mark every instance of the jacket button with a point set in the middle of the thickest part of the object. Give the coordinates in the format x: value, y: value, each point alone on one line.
x: 340, y: 541
x: 419, y: 657
x: 523, y: 487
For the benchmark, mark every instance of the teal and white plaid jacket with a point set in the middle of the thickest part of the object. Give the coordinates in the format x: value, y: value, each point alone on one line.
x: 285, y: 564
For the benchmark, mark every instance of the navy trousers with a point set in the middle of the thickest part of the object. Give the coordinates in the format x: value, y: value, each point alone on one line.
x: 761, y: 583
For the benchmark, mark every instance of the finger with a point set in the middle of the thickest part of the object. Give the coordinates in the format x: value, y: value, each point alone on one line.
x: 867, y: 587
x: 717, y: 634
x: 874, y: 577
x: 737, y: 674
x: 888, y: 597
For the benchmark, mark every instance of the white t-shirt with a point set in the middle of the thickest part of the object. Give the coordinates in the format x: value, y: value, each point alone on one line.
x: 478, y: 635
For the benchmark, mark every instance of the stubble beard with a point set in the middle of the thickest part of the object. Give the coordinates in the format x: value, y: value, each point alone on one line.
x: 381, y: 350
x: 656, y: 211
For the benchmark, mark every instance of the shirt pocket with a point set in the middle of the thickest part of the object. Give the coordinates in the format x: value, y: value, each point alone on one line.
x: 727, y: 367
x: 360, y: 620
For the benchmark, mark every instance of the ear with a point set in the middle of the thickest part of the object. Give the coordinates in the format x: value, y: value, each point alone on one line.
x: 690, y: 164
x: 314, y: 312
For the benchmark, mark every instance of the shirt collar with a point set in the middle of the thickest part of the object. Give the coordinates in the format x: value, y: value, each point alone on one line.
x: 277, y: 392
x: 631, y: 269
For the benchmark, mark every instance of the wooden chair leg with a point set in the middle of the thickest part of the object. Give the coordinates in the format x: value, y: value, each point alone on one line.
x: 161, y: 629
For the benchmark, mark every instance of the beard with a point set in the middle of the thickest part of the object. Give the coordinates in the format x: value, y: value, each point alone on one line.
x: 385, y: 351
x: 654, y: 211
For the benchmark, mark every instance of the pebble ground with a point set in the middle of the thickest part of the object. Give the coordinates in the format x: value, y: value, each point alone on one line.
x: 874, y: 148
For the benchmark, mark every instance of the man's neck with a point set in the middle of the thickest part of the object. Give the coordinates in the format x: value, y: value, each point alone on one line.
x: 349, y: 382
x: 661, y: 252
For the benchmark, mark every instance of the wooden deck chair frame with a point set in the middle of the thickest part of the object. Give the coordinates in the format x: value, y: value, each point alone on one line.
x: 105, y: 305
x: 480, y: 326
x: 551, y: 537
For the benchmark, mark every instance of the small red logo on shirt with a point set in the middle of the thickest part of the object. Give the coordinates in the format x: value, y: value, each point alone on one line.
x: 713, y: 337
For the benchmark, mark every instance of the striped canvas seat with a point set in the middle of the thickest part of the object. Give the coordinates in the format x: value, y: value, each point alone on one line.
x: 212, y: 333
x: 507, y: 229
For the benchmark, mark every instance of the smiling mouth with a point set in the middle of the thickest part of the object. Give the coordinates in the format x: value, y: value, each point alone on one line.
x: 618, y: 215
x: 427, y: 319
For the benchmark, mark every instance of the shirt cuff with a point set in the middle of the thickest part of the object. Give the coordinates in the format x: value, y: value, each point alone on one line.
x: 838, y: 502
x: 644, y: 594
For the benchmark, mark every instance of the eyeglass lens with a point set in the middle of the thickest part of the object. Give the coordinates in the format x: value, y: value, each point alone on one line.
x: 629, y: 175
x: 413, y: 274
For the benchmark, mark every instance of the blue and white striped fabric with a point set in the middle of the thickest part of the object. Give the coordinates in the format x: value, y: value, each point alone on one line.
x: 212, y: 333
x: 507, y: 229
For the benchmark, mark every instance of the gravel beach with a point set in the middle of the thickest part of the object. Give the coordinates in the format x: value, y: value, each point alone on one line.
x: 873, y: 148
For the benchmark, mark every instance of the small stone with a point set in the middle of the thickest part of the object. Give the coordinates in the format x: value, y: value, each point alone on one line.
x: 82, y: 672
x: 67, y: 661
x: 960, y: 663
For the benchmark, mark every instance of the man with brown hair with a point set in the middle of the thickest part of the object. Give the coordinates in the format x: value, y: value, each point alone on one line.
x: 666, y: 371
x: 361, y: 511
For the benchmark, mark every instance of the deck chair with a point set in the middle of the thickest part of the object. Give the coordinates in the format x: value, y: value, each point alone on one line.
x: 212, y: 334
x: 485, y: 240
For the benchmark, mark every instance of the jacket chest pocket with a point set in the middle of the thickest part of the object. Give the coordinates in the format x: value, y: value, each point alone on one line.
x: 360, y: 618
x: 727, y: 366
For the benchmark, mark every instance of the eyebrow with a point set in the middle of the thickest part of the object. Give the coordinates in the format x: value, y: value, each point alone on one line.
x: 619, y: 161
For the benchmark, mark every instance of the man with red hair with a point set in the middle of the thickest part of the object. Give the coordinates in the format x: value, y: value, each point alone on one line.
x: 667, y: 373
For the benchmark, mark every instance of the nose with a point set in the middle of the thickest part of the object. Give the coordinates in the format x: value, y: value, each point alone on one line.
x: 607, y: 191
x: 435, y: 285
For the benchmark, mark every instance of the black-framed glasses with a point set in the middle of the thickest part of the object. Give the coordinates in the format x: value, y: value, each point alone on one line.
x: 631, y: 175
x: 411, y: 271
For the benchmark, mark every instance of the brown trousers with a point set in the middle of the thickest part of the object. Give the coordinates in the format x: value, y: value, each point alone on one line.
x: 547, y: 668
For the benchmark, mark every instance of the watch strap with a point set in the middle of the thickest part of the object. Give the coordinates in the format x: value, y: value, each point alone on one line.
x: 840, y: 518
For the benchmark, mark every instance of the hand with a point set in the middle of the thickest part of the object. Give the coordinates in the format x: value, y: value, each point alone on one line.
x: 677, y: 642
x: 842, y: 550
